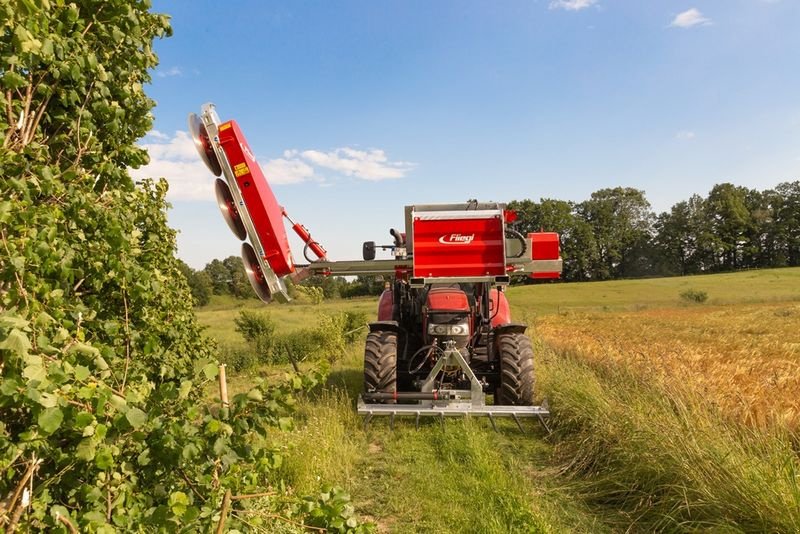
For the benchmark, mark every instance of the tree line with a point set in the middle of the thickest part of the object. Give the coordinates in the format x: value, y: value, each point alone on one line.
x: 228, y: 277
x: 614, y: 234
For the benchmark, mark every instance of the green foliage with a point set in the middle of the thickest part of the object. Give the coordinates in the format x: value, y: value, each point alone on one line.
x: 199, y: 284
x: 331, y: 510
x: 313, y: 294
x: 694, y: 295
x: 103, y: 364
x: 257, y: 329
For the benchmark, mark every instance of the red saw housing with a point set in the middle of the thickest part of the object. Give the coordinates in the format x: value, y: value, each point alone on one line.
x: 265, y: 212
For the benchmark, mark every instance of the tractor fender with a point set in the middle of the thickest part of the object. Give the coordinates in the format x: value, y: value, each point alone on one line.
x: 509, y: 328
x: 384, y: 326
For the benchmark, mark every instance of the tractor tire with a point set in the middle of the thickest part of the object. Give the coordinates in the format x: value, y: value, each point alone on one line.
x: 517, y: 377
x: 380, y: 363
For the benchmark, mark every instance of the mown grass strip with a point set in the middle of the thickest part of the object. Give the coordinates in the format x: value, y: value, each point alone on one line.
x: 465, y: 478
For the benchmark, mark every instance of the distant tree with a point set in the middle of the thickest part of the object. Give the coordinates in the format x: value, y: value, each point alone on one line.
x: 199, y: 283
x: 621, y: 222
x: 730, y: 221
x: 683, y: 240
x: 786, y: 224
x: 218, y: 274
x: 575, y: 235
x: 238, y: 284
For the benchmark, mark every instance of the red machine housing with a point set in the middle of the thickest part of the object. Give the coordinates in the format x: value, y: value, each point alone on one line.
x: 499, y: 311
x: 459, y: 244
x: 260, y: 201
x: 545, y: 246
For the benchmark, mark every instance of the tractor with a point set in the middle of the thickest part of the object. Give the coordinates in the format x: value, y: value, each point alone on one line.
x: 444, y: 342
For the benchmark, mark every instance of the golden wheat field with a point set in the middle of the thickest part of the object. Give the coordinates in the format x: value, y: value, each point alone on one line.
x: 743, y: 358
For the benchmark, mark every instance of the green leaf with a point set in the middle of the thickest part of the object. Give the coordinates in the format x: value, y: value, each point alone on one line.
x: 48, y: 400
x: 17, y: 342
x: 50, y: 419
x: 136, y: 417
x: 186, y: 387
x: 82, y: 373
x: 12, y: 80
x: 104, y: 459
x: 86, y: 449
x: 285, y: 423
x: 210, y: 370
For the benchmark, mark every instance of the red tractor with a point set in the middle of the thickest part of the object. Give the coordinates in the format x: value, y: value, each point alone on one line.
x: 444, y: 339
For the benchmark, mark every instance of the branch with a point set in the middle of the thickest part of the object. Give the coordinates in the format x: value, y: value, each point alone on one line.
x: 127, y: 335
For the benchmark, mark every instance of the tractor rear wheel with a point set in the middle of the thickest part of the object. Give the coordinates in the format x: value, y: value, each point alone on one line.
x: 380, y: 363
x: 517, y: 377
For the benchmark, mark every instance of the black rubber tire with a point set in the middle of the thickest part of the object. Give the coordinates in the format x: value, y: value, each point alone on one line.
x: 380, y: 363
x: 517, y: 378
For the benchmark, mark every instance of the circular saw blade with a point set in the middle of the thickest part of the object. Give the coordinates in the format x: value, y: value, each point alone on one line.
x: 228, y: 208
x: 255, y: 274
x: 203, y: 144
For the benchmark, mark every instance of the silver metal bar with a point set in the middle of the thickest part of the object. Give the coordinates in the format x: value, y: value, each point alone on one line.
x: 414, y: 410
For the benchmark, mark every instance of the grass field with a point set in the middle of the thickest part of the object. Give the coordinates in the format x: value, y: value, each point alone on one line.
x: 668, y: 415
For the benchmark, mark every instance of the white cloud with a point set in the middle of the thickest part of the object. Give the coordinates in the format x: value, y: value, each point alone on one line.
x: 689, y: 18
x: 175, y: 158
x: 172, y: 71
x: 287, y: 171
x: 365, y: 164
x: 572, y: 5
x: 685, y: 135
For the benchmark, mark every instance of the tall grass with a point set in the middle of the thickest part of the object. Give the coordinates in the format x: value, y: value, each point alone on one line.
x: 663, y: 456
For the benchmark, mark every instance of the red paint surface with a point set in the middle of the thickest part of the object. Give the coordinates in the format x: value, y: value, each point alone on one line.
x: 546, y: 246
x: 386, y: 305
x: 459, y: 247
x: 447, y: 299
x: 499, y: 311
x: 258, y: 198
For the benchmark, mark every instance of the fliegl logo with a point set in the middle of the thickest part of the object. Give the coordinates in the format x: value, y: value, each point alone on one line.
x: 456, y: 239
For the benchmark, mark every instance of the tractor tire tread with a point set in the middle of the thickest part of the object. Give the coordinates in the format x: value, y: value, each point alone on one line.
x: 380, y: 362
x: 517, y: 376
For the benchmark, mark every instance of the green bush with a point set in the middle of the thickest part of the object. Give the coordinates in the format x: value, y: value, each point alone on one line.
x: 238, y: 358
x: 258, y: 329
x: 694, y: 295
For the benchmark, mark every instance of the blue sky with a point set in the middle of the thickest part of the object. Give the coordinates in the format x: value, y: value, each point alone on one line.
x: 356, y: 109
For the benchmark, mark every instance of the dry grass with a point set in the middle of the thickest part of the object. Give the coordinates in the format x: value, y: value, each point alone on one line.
x: 744, y: 358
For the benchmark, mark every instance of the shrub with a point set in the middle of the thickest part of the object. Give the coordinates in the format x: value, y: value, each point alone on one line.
x: 694, y: 295
x: 258, y: 329
x: 354, y: 325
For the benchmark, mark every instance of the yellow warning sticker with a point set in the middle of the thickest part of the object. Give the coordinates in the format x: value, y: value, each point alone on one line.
x: 225, y: 126
x: 241, y: 169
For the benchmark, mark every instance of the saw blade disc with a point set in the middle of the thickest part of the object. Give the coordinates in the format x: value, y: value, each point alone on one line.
x: 255, y: 274
x: 228, y: 208
x: 203, y: 144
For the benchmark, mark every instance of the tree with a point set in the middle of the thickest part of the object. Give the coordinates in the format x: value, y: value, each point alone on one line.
x: 219, y: 275
x: 199, y: 284
x: 621, y: 222
x: 575, y: 235
x: 103, y: 363
x: 730, y: 219
x: 786, y: 224
x: 683, y: 238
